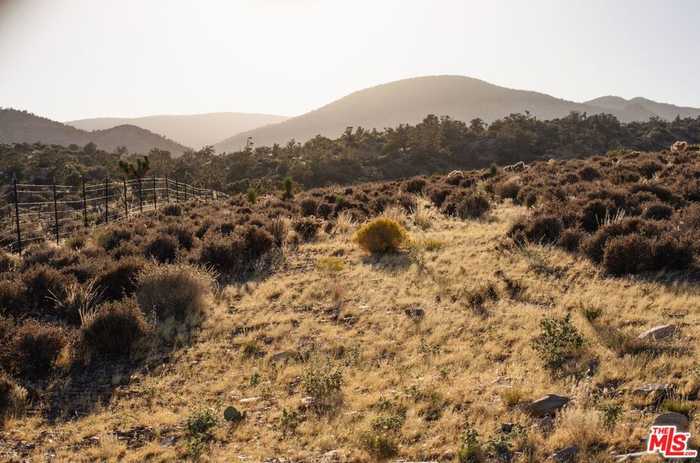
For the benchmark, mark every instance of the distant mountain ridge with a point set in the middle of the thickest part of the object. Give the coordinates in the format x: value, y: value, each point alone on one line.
x: 194, y: 130
x: 24, y: 127
x: 460, y: 97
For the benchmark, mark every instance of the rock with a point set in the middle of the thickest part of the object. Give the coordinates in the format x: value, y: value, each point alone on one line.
x: 652, y: 388
x: 678, y: 420
x: 232, y: 415
x: 249, y: 400
x: 284, y: 357
x: 658, y: 332
x: 547, y: 405
x: 565, y: 455
x: 332, y: 456
x: 415, y: 313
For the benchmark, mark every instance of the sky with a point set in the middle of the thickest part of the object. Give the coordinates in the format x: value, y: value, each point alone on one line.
x: 72, y: 59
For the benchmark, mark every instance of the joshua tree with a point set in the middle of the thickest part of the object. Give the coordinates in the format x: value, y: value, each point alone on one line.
x: 137, y: 170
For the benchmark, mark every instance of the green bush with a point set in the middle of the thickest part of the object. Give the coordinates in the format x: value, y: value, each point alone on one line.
x: 558, y: 341
x: 381, y: 235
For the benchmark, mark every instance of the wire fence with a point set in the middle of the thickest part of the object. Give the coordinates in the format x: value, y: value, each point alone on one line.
x: 34, y: 213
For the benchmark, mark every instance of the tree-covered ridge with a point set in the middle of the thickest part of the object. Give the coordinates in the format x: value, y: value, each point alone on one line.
x: 436, y: 144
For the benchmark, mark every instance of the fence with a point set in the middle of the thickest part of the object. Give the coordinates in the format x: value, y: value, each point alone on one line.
x: 52, y: 212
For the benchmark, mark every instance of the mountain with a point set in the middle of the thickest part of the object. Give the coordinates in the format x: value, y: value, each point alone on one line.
x: 644, y: 107
x: 195, y: 130
x: 24, y: 127
x: 410, y: 100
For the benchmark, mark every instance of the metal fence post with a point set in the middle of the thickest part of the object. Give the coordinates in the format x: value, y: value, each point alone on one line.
x: 19, y: 233
x: 140, y: 195
x: 126, y: 201
x: 55, y: 212
x: 155, y: 195
x: 177, y: 192
x: 167, y: 190
x: 85, y: 220
x: 107, y: 200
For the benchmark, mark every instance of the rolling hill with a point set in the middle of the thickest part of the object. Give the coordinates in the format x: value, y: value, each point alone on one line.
x: 463, y: 98
x: 195, y: 130
x: 24, y: 127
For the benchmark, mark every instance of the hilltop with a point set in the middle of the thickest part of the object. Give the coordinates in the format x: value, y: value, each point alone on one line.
x: 24, y: 127
x: 194, y: 130
x: 462, y: 98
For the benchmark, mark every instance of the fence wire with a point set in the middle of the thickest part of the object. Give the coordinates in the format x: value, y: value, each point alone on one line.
x: 34, y: 213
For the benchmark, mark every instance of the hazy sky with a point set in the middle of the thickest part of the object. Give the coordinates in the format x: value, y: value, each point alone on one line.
x: 69, y: 59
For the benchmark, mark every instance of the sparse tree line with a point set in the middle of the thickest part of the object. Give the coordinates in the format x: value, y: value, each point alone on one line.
x: 436, y: 144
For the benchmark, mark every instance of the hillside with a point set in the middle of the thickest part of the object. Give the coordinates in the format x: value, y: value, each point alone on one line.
x: 409, y: 100
x: 643, y: 108
x: 522, y: 314
x: 23, y: 127
x: 194, y: 130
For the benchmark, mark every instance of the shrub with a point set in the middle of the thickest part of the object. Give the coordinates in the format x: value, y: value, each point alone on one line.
x: 570, y: 240
x: 172, y: 210
x: 114, y: 328
x: 306, y: 228
x: 279, y: 229
x: 76, y: 242
x: 110, y: 238
x: 544, y: 229
x: 258, y: 241
x: 588, y: 174
x: 507, y: 189
x: 381, y: 235
x: 35, y: 348
x: 118, y: 280
x: 671, y: 253
x: 472, y: 206
x: 7, y: 263
x: 414, y: 185
x: 12, y: 296
x: 323, y: 384
x: 162, y: 248
x: 594, y: 213
x: 200, y: 425
x: 184, y: 235
x: 44, y: 285
x: 324, y: 210
x: 657, y: 211
x: 627, y: 254
x: 308, y: 206
x: 173, y: 291
x: 558, y: 341
x: 223, y: 254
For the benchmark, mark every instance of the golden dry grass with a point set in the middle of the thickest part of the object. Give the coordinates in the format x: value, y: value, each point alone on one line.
x: 331, y: 304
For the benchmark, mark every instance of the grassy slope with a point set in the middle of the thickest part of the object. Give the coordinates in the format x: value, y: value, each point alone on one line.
x: 465, y: 361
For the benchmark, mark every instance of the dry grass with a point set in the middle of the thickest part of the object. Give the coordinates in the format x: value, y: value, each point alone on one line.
x: 412, y: 381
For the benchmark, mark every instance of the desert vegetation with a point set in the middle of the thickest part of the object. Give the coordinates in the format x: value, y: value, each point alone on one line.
x: 501, y: 314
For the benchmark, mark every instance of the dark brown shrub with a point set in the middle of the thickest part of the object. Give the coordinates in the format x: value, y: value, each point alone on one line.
x: 649, y: 168
x: 172, y: 210
x: 526, y: 197
x: 657, y: 211
x: 507, y: 189
x: 35, y: 347
x: 407, y: 202
x: 12, y: 296
x: 438, y: 195
x: 671, y: 253
x: 306, y: 228
x: 111, y: 237
x: 43, y: 285
x: 222, y: 253
x: 57, y: 258
x: 118, y: 280
x: 588, y: 173
x: 544, y: 230
x: 324, y: 210
x: 184, y: 235
x: 115, y: 328
x: 472, y: 206
x: 162, y: 248
x: 627, y: 255
x: 414, y: 185
x: 570, y: 239
x: 7, y: 263
x: 308, y: 206
x: 594, y: 214
x: 203, y: 229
